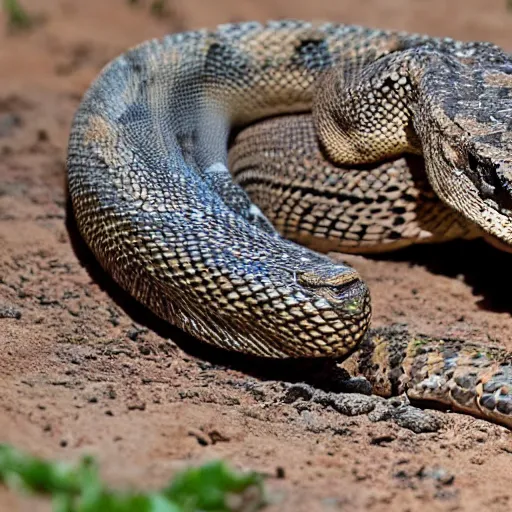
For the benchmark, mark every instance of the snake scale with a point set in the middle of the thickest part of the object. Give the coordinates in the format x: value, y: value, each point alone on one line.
x: 154, y: 199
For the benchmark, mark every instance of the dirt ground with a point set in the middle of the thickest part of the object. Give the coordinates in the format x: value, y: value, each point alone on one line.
x: 84, y: 368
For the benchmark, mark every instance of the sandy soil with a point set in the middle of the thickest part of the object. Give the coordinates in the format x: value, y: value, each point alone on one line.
x: 86, y: 369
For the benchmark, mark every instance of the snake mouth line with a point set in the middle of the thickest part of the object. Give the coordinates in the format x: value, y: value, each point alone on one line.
x: 491, y: 183
x: 350, y: 296
x: 339, y: 288
x: 500, y: 208
x: 492, y: 215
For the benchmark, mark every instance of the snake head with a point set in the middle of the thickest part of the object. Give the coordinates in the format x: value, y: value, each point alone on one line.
x: 467, y: 144
x: 335, y: 308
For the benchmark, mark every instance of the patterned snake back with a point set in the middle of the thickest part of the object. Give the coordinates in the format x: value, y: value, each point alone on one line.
x: 155, y: 201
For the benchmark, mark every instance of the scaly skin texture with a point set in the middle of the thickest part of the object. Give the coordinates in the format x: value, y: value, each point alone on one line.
x: 378, y: 208
x: 457, y: 374
x: 154, y: 200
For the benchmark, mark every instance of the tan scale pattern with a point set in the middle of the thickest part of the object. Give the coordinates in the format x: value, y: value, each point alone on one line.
x: 336, y: 208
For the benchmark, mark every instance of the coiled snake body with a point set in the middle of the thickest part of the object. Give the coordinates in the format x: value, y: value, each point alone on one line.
x: 156, y: 203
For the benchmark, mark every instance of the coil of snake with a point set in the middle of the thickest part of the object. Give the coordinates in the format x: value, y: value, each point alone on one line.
x: 154, y: 199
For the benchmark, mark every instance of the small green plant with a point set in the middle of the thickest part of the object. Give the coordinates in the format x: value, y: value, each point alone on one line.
x: 78, y: 488
x: 158, y: 8
x: 17, y: 17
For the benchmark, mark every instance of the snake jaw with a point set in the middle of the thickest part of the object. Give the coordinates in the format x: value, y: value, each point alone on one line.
x: 468, y: 144
x: 470, y: 169
x: 490, y: 170
x: 491, y: 205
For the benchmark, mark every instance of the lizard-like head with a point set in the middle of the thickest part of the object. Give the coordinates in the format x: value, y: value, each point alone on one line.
x: 466, y: 136
x: 453, y: 105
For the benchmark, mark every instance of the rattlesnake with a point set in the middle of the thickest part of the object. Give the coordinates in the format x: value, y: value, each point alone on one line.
x: 154, y: 200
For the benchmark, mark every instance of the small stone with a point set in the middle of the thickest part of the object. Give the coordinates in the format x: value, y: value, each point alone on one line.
x: 439, y: 474
x: 137, y: 406
x: 280, y: 473
x: 298, y: 391
x: 417, y: 420
x: 380, y: 440
x: 9, y: 312
x: 217, y: 437
x: 200, y: 436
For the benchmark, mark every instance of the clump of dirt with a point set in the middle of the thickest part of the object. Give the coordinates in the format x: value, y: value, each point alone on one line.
x: 86, y: 369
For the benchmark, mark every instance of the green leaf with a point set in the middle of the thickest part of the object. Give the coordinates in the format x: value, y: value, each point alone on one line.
x: 208, y: 487
x: 77, y: 488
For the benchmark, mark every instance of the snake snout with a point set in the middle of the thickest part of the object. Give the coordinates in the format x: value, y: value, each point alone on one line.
x: 338, y: 284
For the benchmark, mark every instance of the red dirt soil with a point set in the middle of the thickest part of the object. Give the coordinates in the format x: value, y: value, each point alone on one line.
x: 85, y: 369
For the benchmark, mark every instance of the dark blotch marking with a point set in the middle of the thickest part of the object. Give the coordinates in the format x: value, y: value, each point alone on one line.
x: 463, y: 396
x: 224, y: 62
x: 135, y: 113
x: 466, y: 381
x: 505, y: 405
x: 312, y: 54
x: 506, y: 68
x: 305, y: 190
x: 488, y: 401
x: 492, y: 386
